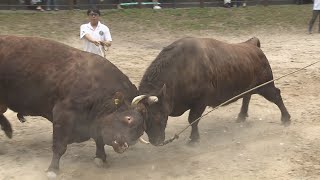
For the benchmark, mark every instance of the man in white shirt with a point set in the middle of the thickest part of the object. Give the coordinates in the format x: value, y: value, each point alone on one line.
x: 315, y: 14
x: 95, y: 35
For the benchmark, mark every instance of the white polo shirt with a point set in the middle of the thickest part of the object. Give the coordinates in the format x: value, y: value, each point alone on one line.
x: 316, y: 5
x: 101, y: 33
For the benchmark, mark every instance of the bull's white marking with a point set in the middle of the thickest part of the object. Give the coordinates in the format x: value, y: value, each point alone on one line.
x: 51, y: 175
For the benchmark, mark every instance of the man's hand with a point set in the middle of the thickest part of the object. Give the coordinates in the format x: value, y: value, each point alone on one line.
x: 105, y: 43
x: 97, y: 43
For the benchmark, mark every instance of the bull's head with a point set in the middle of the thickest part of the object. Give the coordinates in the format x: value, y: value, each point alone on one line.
x: 124, y: 126
x: 157, y: 115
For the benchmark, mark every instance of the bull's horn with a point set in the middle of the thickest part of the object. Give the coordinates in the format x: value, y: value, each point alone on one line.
x: 137, y: 99
x: 152, y: 99
x: 143, y: 141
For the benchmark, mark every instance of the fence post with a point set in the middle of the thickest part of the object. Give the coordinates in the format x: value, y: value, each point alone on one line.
x: 174, y: 4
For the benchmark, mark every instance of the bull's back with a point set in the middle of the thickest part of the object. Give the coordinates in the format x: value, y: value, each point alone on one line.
x: 210, y: 69
x: 35, y: 73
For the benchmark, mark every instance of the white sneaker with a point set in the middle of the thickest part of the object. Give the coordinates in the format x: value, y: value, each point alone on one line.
x: 156, y: 7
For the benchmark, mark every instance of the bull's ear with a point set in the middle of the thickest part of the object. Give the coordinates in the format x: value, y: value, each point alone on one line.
x: 118, y: 98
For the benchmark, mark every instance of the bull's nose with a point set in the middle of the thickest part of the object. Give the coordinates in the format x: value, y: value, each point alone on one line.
x: 155, y: 142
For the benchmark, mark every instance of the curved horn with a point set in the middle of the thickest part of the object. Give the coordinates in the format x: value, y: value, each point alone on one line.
x: 143, y: 141
x: 152, y: 99
x: 137, y: 99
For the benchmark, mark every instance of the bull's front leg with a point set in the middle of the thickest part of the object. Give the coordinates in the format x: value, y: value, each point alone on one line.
x: 100, y: 152
x: 63, y: 122
x: 195, y: 113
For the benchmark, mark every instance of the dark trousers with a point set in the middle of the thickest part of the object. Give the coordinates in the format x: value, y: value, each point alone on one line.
x: 73, y: 4
x: 13, y: 4
x: 315, y: 14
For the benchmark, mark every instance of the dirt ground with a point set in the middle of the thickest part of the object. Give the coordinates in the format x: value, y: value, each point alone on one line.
x: 260, y: 148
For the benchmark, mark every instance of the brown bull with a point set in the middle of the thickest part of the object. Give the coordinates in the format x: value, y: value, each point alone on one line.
x: 82, y: 94
x: 193, y: 73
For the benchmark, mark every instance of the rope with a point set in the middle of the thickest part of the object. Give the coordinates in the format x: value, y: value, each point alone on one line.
x: 176, y: 136
x: 103, y: 50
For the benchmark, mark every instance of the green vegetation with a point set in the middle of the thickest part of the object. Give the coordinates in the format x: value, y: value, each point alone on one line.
x: 66, y: 23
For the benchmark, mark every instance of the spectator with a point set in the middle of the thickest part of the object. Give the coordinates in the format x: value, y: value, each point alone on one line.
x: 227, y: 3
x: 93, y: 3
x: 73, y: 4
x: 13, y: 4
x: 95, y: 34
x: 119, y: 4
x: 315, y: 14
x: 156, y: 4
x: 38, y: 3
x: 53, y: 4
x: 299, y: 2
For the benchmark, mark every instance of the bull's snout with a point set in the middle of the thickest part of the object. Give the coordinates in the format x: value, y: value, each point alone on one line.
x: 156, y: 141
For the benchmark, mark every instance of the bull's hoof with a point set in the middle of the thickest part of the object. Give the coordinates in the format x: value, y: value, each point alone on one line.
x: 51, y: 175
x: 193, y: 142
x: 286, y: 123
x: 21, y: 118
x: 98, y: 162
x: 241, y: 118
x: 286, y: 120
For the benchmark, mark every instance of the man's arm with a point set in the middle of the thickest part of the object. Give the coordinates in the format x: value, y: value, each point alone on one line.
x: 90, y: 39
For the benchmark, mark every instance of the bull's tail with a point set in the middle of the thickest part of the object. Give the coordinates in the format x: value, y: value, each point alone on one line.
x: 6, y: 126
x: 255, y: 41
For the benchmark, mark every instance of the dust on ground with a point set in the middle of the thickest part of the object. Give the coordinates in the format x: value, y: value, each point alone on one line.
x: 260, y: 148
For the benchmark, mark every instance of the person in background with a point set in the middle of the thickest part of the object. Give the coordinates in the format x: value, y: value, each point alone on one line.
x: 315, y: 14
x: 73, y: 4
x: 156, y: 5
x: 52, y: 3
x: 13, y: 4
x: 227, y: 3
x: 93, y: 3
x: 38, y: 3
x: 95, y: 35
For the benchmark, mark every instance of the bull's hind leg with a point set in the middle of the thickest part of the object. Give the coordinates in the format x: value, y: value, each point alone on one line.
x: 271, y: 93
x: 5, y: 124
x: 195, y: 112
x: 244, y: 109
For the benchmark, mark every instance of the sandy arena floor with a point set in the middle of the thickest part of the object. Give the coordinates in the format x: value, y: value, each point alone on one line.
x: 260, y: 148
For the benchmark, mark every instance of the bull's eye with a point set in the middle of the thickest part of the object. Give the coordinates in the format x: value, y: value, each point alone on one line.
x: 128, y: 120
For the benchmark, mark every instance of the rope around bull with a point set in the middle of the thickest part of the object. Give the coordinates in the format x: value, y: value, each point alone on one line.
x: 176, y: 136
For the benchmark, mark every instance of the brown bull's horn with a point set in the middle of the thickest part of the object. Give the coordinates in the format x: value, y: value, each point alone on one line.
x: 143, y: 141
x: 137, y: 99
x: 152, y: 99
